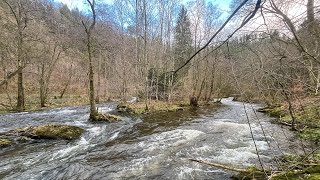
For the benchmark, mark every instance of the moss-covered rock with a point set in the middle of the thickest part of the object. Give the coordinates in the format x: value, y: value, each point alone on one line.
x: 54, y: 131
x: 5, y: 142
x: 151, y: 107
x: 48, y: 131
x: 124, y: 108
x: 103, y: 117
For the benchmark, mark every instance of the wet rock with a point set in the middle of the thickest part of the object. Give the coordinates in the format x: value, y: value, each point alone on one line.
x: 124, y: 108
x: 5, y: 142
x: 103, y: 117
x: 54, y: 131
x: 48, y: 131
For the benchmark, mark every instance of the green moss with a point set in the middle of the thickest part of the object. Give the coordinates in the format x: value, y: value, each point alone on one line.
x: 286, y: 118
x: 311, y: 134
x: 309, y: 173
x: 310, y: 116
x: 23, y: 139
x: 315, y: 176
x: 54, y: 131
x: 5, y: 142
x: 152, y: 107
x: 276, y: 112
x: 313, y: 169
x: 102, y: 117
x: 316, y: 157
x: 253, y: 173
x: 288, y: 158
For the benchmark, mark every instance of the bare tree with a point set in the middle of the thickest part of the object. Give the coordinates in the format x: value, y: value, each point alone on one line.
x: 89, y: 43
x: 19, y: 11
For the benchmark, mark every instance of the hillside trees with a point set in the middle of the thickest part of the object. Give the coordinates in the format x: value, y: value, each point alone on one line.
x: 136, y: 44
x: 20, y: 12
x: 52, y: 47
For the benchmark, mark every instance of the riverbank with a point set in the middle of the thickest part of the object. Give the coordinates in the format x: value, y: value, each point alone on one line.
x: 33, y: 103
x: 306, y: 118
x: 303, y: 116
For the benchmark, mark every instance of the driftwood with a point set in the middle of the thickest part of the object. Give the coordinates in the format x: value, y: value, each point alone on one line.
x: 220, y: 166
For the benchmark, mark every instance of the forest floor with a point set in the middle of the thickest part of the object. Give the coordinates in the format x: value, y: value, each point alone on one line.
x: 306, y: 112
x: 33, y: 102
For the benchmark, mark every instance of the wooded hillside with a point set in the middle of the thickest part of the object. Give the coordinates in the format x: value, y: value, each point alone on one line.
x: 137, y: 45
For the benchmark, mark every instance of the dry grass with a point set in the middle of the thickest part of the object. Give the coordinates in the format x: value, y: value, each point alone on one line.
x: 33, y: 102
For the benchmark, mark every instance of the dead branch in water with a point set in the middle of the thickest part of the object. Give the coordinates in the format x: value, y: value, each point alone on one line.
x: 220, y: 166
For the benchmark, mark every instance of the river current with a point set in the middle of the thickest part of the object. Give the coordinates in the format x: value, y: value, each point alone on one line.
x: 154, y: 146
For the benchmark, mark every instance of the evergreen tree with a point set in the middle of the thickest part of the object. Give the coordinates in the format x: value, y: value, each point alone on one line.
x: 182, y: 40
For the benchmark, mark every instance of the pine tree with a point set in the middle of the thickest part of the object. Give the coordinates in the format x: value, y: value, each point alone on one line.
x: 182, y: 40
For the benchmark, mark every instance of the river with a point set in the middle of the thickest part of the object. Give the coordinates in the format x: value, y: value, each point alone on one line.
x: 154, y: 146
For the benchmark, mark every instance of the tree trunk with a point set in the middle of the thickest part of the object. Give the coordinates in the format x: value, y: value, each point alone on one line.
x: 20, y: 98
x: 42, y: 93
x: 99, y: 79
x: 88, y: 30
x: 93, y: 110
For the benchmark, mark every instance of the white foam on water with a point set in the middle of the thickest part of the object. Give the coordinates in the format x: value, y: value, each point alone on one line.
x: 157, y: 146
x: 138, y: 167
x: 185, y: 172
x: 203, y: 149
x: 169, y: 139
x: 114, y: 136
x: 82, y: 144
x: 189, y: 172
x: 96, y: 131
x: 241, y: 155
x: 66, y: 111
x: 77, y: 123
x: 229, y: 128
x: 104, y: 109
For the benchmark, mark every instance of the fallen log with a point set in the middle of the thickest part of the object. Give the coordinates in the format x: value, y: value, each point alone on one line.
x: 220, y: 166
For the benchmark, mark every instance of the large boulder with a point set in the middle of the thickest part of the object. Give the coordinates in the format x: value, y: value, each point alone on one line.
x: 54, y: 131
x: 48, y: 131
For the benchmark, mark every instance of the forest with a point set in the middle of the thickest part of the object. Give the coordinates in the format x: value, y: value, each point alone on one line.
x: 167, y: 55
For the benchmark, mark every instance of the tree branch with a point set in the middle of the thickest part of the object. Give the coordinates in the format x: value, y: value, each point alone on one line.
x: 248, y: 18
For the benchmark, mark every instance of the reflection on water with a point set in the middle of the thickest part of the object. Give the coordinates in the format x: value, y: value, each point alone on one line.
x: 153, y: 146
